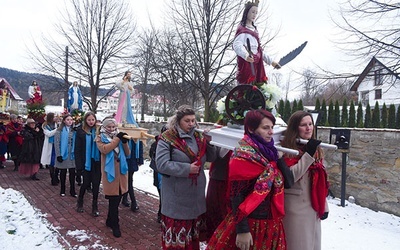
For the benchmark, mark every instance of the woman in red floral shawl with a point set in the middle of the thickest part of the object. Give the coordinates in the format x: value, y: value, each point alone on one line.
x: 305, y: 201
x: 255, y: 189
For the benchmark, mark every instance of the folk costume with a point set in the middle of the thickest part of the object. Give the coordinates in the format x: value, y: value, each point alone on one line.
x: 257, y: 198
x: 305, y: 201
x: 183, y: 194
x: 217, y: 201
x: 31, y: 150
x: 15, y: 139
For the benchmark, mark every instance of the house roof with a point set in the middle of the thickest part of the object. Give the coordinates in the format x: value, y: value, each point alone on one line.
x: 367, y: 69
x: 14, y: 94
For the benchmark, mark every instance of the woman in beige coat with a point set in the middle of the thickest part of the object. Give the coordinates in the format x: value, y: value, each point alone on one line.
x: 305, y: 201
x: 114, y: 149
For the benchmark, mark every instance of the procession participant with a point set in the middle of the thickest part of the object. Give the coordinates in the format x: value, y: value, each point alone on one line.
x: 13, y: 132
x: 180, y: 156
x: 87, y: 160
x: 31, y: 150
x: 64, y: 144
x: 256, y: 191
x: 114, y: 149
x: 306, y: 201
x: 48, y: 151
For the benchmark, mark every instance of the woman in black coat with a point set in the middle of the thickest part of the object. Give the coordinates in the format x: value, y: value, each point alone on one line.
x: 31, y: 149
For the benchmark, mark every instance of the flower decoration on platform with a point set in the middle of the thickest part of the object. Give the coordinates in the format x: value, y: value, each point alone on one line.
x: 243, y: 98
x: 36, y: 111
x: 77, y: 115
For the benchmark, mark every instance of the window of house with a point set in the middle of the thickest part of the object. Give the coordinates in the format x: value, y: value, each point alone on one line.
x: 365, y: 97
x: 378, y: 94
x: 378, y: 76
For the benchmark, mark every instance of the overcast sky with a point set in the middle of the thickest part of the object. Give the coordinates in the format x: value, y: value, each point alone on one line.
x: 299, y: 21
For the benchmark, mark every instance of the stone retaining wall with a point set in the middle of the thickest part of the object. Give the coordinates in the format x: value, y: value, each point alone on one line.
x: 373, y: 166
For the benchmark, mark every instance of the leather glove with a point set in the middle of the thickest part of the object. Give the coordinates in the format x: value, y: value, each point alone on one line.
x: 60, y: 159
x: 286, y: 172
x: 120, y: 135
x: 324, y: 216
x: 311, y: 146
x: 244, y: 241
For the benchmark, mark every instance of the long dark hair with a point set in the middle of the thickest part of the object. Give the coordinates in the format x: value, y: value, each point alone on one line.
x: 292, y: 131
x: 85, y: 126
x: 246, y: 10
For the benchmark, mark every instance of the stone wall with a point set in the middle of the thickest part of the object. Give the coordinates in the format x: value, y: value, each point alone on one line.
x: 373, y: 166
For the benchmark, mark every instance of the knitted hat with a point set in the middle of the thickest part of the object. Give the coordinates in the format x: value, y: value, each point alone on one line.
x: 107, y: 121
x: 30, y: 120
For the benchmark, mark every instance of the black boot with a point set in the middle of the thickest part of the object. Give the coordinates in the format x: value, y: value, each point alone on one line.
x: 125, y: 201
x: 95, y: 210
x: 34, y: 177
x: 79, y: 206
x: 53, y: 176
x: 15, y: 166
x: 113, y: 215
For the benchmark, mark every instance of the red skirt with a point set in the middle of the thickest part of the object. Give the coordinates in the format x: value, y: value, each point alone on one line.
x: 267, y: 234
x: 181, y: 234
x: 28, y: 168
x: 217, y: 205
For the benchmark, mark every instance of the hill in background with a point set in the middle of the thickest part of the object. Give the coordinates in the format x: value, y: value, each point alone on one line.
x: 52, y: 88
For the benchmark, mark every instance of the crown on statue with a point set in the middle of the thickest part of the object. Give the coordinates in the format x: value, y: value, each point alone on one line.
x: 253, y: 2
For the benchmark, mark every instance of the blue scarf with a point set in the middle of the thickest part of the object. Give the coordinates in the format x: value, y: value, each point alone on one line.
x: 92, y: 152
x: 109, y: 167
x: 65, y: 145
x: 51, y: 138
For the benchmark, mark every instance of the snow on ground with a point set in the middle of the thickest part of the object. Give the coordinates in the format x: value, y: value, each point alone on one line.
x: 350, y: 227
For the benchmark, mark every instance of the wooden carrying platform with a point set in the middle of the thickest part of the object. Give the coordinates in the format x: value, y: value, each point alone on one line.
x: 136, y: 133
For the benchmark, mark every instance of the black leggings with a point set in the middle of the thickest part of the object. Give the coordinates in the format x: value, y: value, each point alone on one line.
x: 91, y: 177
x: 63, y: 177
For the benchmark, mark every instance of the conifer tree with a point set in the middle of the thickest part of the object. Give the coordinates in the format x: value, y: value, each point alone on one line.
x: 331, y: 115
x: 392, y: 116
x: 323, y: 113
x: 337, y: 114
x: 345, y: 114
x: 317, y: 105
x: 367, y: 121
x: 294, y: 106
x: 352, y: 115
x: 376, y: 119
x: 281, y: 107
x: 384, y: 116
x: 287, y: 111
x: 360, y: 116
x: 300, y: 105
x: 398, y: 117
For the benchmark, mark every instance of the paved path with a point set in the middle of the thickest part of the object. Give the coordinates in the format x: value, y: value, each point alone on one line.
x: 139, y: 230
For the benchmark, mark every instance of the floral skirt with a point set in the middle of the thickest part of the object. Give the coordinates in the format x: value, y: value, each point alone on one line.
x: 267, y: 234
x: 181, y: 234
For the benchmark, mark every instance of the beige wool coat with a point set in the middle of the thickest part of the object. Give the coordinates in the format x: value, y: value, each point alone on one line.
x: 121, y: 181
x: 301, y: 223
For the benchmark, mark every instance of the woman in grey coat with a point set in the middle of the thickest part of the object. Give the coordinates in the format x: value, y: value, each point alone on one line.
x: 64, y: 143
x: 180, y: 156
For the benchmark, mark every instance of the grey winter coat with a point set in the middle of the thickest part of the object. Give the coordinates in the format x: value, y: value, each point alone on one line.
x: 182, y: 198
x: 57, y: 146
